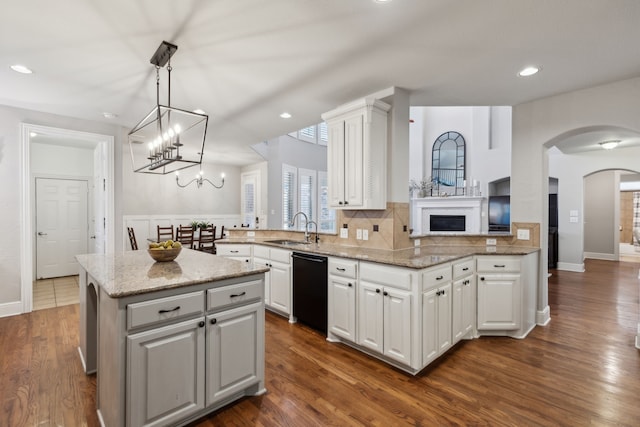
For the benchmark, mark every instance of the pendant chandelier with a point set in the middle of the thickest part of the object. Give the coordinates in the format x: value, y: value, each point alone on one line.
x: 168, y: 139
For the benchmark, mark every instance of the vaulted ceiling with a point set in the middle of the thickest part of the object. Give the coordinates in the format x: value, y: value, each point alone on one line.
x: 246, y: 61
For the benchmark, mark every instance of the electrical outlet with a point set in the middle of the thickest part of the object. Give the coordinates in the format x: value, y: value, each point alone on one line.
x: 491, y: 249
x: 365, y: 234
x: 359, y: 234
x: 523, y: 234
x: 251, y: 233
x: 416, y: 242
x: 492, y: 242
x: 344, y: 233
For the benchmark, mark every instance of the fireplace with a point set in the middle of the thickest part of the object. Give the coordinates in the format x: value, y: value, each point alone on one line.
x: 447, y: 223
x: 447, y: 215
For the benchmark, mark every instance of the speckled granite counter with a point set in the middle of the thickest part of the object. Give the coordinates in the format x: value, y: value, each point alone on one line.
x: 420, y: 257
x: 135, y: 272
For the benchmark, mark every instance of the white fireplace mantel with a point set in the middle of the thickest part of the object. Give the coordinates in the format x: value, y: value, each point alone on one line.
x: 470, y: 207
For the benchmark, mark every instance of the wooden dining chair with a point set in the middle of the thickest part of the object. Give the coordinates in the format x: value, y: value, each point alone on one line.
x: 132, y: 239
x: 165, y: 233
x: 184, y: 235
x: 206, y: 242
x: 221, y: 233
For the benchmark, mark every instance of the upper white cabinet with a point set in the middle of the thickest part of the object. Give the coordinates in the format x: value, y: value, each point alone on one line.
x: 357, y: 151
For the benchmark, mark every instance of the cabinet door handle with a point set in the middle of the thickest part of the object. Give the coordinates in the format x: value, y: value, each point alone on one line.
x: 346, y: 203
x: 439, y: 277
x: 340, y: 202
x: 340, y: 269
x: 241, y: 294
x: 385, y: 293
x: 214, y: 321
x: 482, y: 278
x: 201, y: 323
x: 246, y: 260
x: 377, y: 291
x: 350, y: 285
x: 499, y: 266
x: 176, y: 308
x: 465, y: 269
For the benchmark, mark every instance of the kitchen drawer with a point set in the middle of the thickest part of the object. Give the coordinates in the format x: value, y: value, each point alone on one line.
x: 234, y: 295
x: 396, y: 277
x: 159, y: 310
x: 280, y: 255
x: 343, y: 267
x: 233, y: 250
x: 497, y: 265
x: 436, y: 276
x: 260, y: 251
x: 462, y: 268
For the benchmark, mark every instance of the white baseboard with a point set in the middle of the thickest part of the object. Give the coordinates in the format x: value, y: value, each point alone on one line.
x: 567, y: 266
x: 543, y: 317
x: 604, y: 257
x: 10, y: 309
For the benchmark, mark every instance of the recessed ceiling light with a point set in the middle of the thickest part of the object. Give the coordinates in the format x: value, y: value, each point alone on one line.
x: 529, y: 71
x: 610, y: 145
x: 382, y: 1
x: 199, y: 111
x: 108, y: 115
x: 285, y: 115
x: 21, y: 69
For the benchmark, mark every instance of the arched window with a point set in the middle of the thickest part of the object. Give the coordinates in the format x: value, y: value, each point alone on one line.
x: 447, y: 163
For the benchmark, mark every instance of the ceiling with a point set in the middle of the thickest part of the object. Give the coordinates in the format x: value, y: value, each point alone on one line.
x: 246, y: 61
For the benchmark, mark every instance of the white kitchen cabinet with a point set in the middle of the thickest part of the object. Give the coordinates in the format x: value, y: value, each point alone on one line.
x: 506, y: 288
x: 385, y: 321
x: 436, y: 312
x: 240, y: 252
x: 464, y: 300
x: 357, y: 151
x: 166, y: 369
x: 234, y: 338
x: 278, y: 279
x: 342, y: 276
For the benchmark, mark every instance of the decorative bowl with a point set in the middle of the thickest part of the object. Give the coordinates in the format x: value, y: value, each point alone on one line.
x: 164, y: 255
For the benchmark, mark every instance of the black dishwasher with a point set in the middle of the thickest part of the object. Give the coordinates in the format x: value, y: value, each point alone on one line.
x: 310, y: 290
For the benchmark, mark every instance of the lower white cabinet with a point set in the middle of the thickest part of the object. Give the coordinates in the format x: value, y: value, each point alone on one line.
x: 178, y: 370
x: 166, y: 369
x: 463, y: 300
x: 498, y: 301
x: 278, y: 280
x: 341, y: 316
x: 385, y: 313
x: 233, y: 340
x: 436, y: 322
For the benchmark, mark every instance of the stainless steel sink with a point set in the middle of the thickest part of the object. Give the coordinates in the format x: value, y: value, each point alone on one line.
x: 288, y: 242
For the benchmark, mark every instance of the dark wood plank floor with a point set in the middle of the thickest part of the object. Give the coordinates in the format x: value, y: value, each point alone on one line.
x: 581, y: 369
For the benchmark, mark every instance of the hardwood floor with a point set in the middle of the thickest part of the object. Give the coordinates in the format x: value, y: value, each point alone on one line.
x: 581, y: 369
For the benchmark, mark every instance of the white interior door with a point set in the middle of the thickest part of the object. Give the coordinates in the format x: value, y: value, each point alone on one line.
x: 98, y: 219
x: 61, y: 226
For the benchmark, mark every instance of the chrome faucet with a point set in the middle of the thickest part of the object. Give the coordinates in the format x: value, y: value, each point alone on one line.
x: 317, y: 239
x: 306, y: 224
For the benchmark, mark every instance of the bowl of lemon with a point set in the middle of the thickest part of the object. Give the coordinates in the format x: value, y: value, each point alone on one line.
x: 164, y: 251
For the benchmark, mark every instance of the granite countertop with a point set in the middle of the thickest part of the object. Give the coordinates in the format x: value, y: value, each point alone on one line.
x: 419, y: 257
x: 135, y: 272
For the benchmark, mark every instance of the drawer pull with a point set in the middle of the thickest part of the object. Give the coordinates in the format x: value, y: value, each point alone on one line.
x: 176, y: 308
x: 201, y: 323
x: 499, y: 266
x: 214, y: 321
x: 238, y: 295
x: 234, y: 252
x: 340, y: 269
x: 439, y: 277
x: 465, y: 269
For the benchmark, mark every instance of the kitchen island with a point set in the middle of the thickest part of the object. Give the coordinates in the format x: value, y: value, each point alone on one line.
x: 170, y: 341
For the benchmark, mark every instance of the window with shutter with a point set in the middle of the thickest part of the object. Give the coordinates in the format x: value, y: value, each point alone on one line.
x: 327, y: 216
x: 323, y: 134
x: 249, y: 198
x: 306, y: 195
x: 289, y: 199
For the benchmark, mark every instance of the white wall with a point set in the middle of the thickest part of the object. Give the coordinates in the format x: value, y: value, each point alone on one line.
x: 570, y: 171
x: 47, y: 159
x: 10, y: 197
x: 542, y: 121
